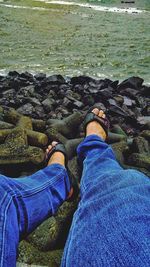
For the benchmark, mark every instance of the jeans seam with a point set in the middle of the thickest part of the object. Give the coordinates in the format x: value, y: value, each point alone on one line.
x: 39, y: 188
x: 4, y: 225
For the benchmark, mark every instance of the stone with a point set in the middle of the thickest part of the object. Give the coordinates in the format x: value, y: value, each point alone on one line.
x: 120, y: 148
x: 26, y: 109
x: 52, y: 233
x: 68, y: 126
x: 48, y: 104
x: 118, y: 130
x: 40, y: 76
x: 28, y: 254
x: 54, y: 79
x: 143, y: 120
x: 146, y: 134
x: 15, y: 149
x: 5, y: 125
x: 140, y: 145
x: 114, y: 137
x: 132, y: 82
x: 81, y: 80
x: 139, y: 160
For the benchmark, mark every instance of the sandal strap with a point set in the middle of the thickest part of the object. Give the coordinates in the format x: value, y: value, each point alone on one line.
x: 73, y: 183
x: 58, y: 148
x: 104, y: 122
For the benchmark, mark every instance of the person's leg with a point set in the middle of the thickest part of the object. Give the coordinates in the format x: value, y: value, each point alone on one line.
x: 111, y: 224
x: 28, y: 201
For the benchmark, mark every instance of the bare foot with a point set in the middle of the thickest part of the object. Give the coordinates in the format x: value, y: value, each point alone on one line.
x: 94, y: 127
x: 57, y: 157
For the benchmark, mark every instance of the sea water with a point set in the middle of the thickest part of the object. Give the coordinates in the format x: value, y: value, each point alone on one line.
x: 96, y: 38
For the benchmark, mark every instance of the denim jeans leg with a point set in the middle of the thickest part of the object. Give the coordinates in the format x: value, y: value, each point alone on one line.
x: 111, y: 225
x: 27, y: 202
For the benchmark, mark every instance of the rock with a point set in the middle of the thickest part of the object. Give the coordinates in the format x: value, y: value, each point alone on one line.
x: 26, y: 109
x: 114, y: 137
x: 120, y: 148
x: 68, y: 126
x: 81, y: 80
x: 28, y: 254
x: 118, y: 130
x: 132, y: 82
x: 140, y: 145
x: 143, y: 120
x: 5, y: 125
x: 40, y: 76
x: 48, y: 104
x: 139, y: 160
x: 39, y: 125
x: 54, y: 79
x: 146, y: 134
x: 52, y: 233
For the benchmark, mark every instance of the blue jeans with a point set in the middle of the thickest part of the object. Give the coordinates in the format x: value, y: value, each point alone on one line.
x: 111, y: 224
x: 111, y: 227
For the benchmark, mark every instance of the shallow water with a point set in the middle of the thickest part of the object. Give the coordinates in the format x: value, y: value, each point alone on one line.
x: 71, y: 39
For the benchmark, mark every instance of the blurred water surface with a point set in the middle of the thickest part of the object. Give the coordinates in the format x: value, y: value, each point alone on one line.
x: 74, y: 38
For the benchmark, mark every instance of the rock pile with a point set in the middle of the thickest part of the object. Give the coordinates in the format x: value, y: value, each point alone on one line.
x: 38, y: 109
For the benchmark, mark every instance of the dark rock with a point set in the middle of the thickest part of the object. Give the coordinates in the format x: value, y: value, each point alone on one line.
x: 13, y: 74
x: 146, y: 134
x: 48, y: 104
x: 139, y: 160
x: 143, y: 120
x: 114, y: 84
x: 140, y: 145
x: 132, y: 93
x: 132, y: 82
x: 145, y: 91
x: 27, y: 91
x: 26, y: 109
x: 146, y: 111
x: 81, y: 80
x: 27, y: 76
x: 40, y: 76
x: 54, y: 79
x: 116, y: 110
x: 128, y: 102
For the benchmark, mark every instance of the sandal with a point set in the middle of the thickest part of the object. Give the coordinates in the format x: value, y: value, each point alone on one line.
x: 73, y: 184
x: 104, y: 122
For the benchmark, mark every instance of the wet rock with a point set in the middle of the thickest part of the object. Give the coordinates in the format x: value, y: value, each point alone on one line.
x: 81, y: 80
x: 146, y: 134
x: 52, y: 233
x: 143, y: 120
x: 26, y: 109
x: 132, y: 82
x: 114, y: 137
x: 48, y: 104
x: 40, y: 76
x: 69, y: 126
x: 28, y: 254
x: 5, y: 125
x: 139, y: 160
x: 140, y: 145
x: 54, y: 79
x: 118, y: 130
x: 120, y: 149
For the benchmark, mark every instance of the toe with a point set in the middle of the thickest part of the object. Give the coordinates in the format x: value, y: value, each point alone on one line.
x: 95, y: 111
x: 49, y: 147
x: 103, y: 116
x: 101, y: 113
x: 54, y: 143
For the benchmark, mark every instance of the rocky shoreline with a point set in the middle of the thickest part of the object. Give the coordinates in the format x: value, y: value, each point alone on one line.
x: 34, y: 110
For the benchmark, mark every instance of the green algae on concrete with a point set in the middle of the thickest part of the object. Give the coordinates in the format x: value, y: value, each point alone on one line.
x: 28, y: 254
